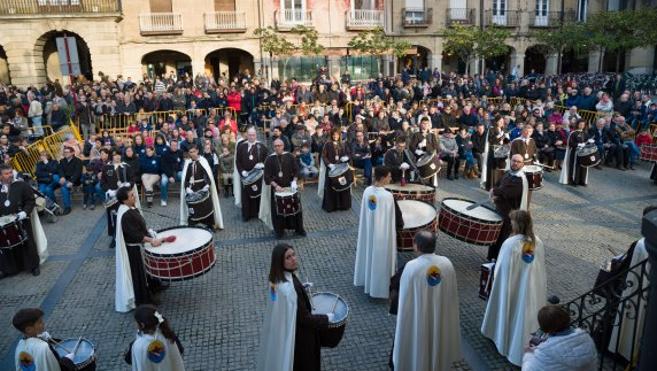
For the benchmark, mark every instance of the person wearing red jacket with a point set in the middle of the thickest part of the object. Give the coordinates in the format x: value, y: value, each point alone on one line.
x: 235, y: 100
x: 228, y: 121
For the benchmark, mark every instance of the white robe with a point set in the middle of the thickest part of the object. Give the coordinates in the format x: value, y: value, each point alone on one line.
x: 237, y: 181
x: 278, y: 332
x: 141, y: 358
x: 124, y: 294
x: 376, y: 250
x: 38, y: 352
x: 519, y: 291
x: 264, y: 213
x: 322, y: 178
x: 484, y: 163
x: 40, y: 239
x: 632, y: 316
x: 572, y: 352
x: 524, y: 199
x: 428, y: 332
x: 184, y: 212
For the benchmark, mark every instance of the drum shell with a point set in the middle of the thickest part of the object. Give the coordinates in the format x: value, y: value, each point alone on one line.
x: 287, y: 205
x: 331, y: 336
x: 406, y: 236
x: 183, y: 266
x: 111, y: 202
x: 468, y: 228
x: 340, y: 179
x: 252, y: 184
x: 200, y: 209
x: 486, y: 280
x: 89, y: 363
x: 648, y: 153
x: 588, y: 156
x: 428, y: 165
x: 408, y: 193
x: 12, y: 235
x: 534, y: 179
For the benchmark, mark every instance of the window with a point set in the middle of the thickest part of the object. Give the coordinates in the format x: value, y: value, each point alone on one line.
x: 224, y: 5
x: 161, y: 6
x: 414, y: 12
x: 542, y: 7
x: 360, y: 67
x: 499, y: 8
x: 363, y: 5
x: 302, y: 68
x: 582, y: 7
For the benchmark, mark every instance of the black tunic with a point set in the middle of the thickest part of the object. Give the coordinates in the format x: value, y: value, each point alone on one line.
x: 307, y: 346
x: 134, y: 230
x: 332, y: 153
x: 432, y: 144
x: 197, y: 178
x: 287, y: 164
x: 507, y: 197
x: 577, y: 174
x: 245, y: 160
x: 111, y: 178
x: 22, y: 257
x: 526, y: 149
x: 495, y: 167
x: 393, y: 160
x: 653, y: 173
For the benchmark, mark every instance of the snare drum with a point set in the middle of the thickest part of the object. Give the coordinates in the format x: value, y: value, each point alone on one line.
x: 327, y: 302
x: 534, y: 174
x: 428, y: 165
x: 417, y: 192
x: 189, y: 256
x: 253, y: 183
x: 12, y: 233
x: 417, y: 216
x: 486, y: 280
x: 287, y: 203
x: 648, y: 153
x: 199, y: 205
x: 588, y: 155
x: 479, y: 226
x: 85, y: 354
x: 340, y: 177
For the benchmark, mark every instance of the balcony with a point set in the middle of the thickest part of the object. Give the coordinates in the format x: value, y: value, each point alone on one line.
x: 160, y: 24
x: 551, y: 19
x: 20, y: 8
x: 364, y: 19
x: 465, y: 16
x: 286, y: 19
x: 506, y: 18
x: 221, y: 22
x: 417, y: 17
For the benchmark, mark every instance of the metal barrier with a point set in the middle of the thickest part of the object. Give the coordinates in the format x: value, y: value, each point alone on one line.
x: 26, y: 161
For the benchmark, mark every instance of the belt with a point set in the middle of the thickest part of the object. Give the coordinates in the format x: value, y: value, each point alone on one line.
x: 135, y: 244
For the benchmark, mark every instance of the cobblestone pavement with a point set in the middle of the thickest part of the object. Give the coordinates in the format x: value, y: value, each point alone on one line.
x: 218, y: 315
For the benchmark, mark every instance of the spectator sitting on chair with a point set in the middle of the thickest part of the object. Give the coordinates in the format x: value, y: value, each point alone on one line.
x: 70, y: 171
x: 361, y: 155
x: 307, y: 167
x: 47, y: 174
x: 58, y: 117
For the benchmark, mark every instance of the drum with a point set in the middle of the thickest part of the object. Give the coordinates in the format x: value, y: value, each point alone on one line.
x: 190, y: 255
x: 417, y: 216
x: 327, y: 302
x: 428, y: 165
x: 588, y: 155
x: 648, y: 153
x: 486, y: 280
x: 340, y: 177
x: 534, y: 174
x: 199, y: 205
x: 417, y: 192
x: 253, y: 183
x: 110, y: 202
x: 12, y: 233
x: 479, y: 226
x: 85, y: 353
x: 287, y: 203
x: 500, y: 156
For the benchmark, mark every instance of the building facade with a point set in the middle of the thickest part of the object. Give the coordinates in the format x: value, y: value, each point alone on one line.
x: 216, y: 37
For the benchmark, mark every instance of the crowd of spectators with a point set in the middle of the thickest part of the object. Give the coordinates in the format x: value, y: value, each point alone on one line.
x: 371, y: 115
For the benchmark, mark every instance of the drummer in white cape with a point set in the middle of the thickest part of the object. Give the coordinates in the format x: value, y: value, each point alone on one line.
x: 289, y: 339
x: 197, y: 176
x: 250, y: 154
x: 133, y: 286
x: 34, y: 352
x: 17, y: 205
x: 519, y: 290
x: 281, y: 169
x: 511, y: 193
x: 428, y: 332
x: 156, y: 347
x: 376, y: 250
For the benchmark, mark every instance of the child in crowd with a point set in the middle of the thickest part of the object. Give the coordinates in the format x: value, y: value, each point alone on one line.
x: 465, y: 152
x: 307, y: 166
x: 156, y: 346
x: 89, y: 180
x: 643, y: 138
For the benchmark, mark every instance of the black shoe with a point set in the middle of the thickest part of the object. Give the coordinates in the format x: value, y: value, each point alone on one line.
x: 619, y: 168
x: 112, y: 244
x: 149, y: 204
x: 301, y: 233
x: 67, y: 211
x: 36, y: 271
x: 92, y: 207
x: 632, y: 167
x: 456, y: 176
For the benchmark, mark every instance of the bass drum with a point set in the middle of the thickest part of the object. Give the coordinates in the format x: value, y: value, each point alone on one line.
x: 340, y: 177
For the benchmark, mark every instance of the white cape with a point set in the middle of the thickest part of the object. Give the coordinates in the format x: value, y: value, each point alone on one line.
x: 519, y: 291
x: 566, y: 172
x: 264, y: 213
x: 632, y: 316
x: 237, y: 181
x: 484, y: 163
x: 322, y: 178
x: 524, y: 199
x: 428, y: 332
x: 124, y: 295
x: 184, y: 213
x: 38, y: 351
x: 572, y: 352
x: 278, y: 332
x: 172, y: 360
x: 39, y: 236
x: 376, y: 250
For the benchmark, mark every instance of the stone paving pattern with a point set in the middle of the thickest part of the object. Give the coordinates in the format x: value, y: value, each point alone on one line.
x: 218, y: 316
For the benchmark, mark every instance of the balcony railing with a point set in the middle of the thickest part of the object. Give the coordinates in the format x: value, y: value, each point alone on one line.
x: 417, y: 17
x: 217, y: 22
x: 362, y: 19
x: 460, y: 16
x: 160, y: 24
x: 551, y: 19
x: 506, y: 18
x: 289, y: 18
x: 58, y: 7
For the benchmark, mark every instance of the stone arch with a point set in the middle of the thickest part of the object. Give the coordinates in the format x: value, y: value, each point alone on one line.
x: 229, y: 62
x: 536, y: 58
x: 166, y: 61
x: 419, y: 56
x: 47, y: 59
x: 502, y: 63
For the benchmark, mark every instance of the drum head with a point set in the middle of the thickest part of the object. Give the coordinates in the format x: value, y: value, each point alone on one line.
x: 425, y: 159
x: 253, y: 176
x: 327, y: 302
x: 412, y: 187
x: 187, y: 239
x: 338, y: 170
x: 481, y: 212
x: 83, y: 354
x: 532, y: 169
x: 416, y: 213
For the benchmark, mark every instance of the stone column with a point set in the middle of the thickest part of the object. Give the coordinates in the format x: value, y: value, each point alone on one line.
x: 641, y: 60
x: 518, y: 59
x: 551, y: 63
x: 474, y: 66
x: 334, y: 66
x: 648, y: 360
x: 594, y: 60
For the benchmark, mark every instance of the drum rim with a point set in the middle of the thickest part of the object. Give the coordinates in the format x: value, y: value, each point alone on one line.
x: 211, y: 241
x: 199, y: 200
x: 340, y: 165
x: 188, y: 277
x: 260, y: 173
x: 538, y: 171
x: 484, y: 221
x: 92, y: 356
x: 428, y: 156
x: 346, y: 318
x: 426, y: 191
x: 423, y: 225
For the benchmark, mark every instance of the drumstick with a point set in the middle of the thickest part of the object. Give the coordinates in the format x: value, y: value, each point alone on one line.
x: 335, y: 303
x: 543, y: 165
x: 75, y: 349
x: 477, y: 204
